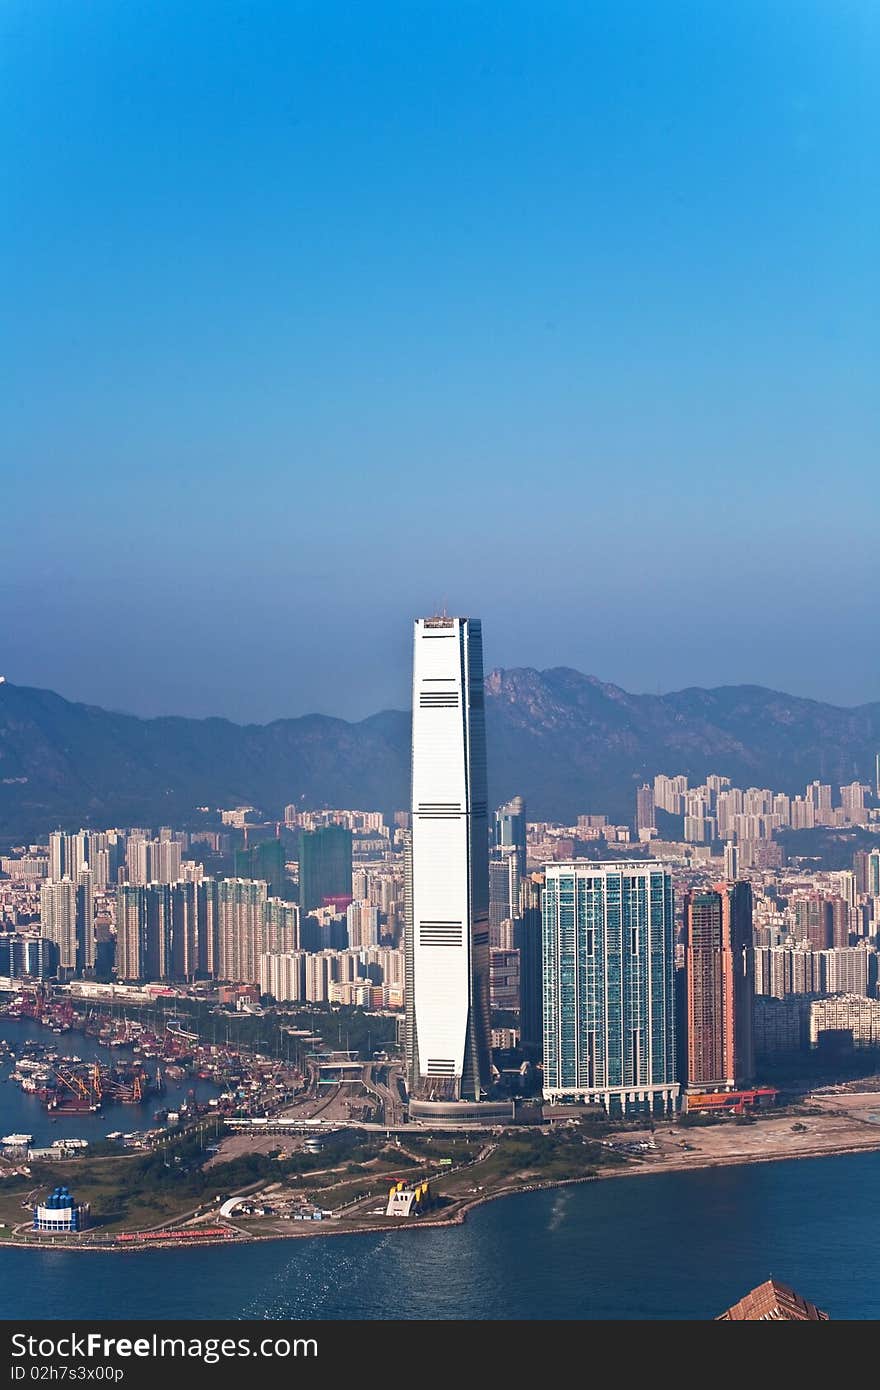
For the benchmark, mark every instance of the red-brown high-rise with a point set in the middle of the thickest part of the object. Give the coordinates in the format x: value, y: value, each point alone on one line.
x: 720, y: 988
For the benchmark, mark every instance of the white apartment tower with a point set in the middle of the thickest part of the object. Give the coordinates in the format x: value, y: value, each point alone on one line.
x: 731, y: 862
x: 58, y: 922
x: 240, y: 906
x: 448, y: 1033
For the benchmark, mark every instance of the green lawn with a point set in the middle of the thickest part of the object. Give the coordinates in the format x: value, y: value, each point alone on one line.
x: 140, y: 1190
x: 110, y: 1187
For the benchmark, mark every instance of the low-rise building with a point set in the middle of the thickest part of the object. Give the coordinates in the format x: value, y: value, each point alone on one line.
x: 60, y: 1213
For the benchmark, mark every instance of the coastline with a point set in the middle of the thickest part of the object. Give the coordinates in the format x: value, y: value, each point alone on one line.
x: 839, y: 1121
x: 462, y: 1210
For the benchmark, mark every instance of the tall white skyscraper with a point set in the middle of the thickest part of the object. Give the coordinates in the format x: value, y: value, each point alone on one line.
x: 448, y: 1036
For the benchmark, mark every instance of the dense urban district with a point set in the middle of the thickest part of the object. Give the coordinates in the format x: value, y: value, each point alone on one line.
x: 348, y: 1019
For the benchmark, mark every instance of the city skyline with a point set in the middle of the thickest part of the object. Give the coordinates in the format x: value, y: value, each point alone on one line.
x: 689, y: 984
x: 279, y: 277
x: 323, y: 324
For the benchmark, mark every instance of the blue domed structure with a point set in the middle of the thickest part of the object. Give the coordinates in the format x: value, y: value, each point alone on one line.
x: 60, y: 1213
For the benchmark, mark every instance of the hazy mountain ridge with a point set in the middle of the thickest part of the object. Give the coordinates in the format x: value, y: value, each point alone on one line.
x: 568, y: 742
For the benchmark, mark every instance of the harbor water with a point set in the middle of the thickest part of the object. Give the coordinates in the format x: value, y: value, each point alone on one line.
x: 665, y: 1246
x: 23, y: 1113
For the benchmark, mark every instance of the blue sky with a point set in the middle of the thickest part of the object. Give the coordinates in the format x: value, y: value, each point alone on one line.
x: 316, y: 316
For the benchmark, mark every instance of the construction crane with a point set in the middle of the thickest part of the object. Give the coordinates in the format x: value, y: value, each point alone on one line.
x: 33, y: 1000
x: 64, y: 1013
x: 74, y: 1083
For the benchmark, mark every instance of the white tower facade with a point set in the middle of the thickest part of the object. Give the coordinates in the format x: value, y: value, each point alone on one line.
x: 58, y: 921
x: 449, y: 1053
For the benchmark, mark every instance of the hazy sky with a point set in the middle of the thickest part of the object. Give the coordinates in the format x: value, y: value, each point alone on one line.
x: 316, y: 316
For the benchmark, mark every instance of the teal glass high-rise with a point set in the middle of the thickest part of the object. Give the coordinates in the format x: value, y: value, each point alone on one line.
x: 609, y: 1004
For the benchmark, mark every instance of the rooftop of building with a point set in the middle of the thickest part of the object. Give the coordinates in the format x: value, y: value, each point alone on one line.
x: 773, y: 1302
x: 599, y: 867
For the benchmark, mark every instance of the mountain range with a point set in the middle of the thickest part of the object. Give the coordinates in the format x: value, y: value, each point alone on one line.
x: 567, y: 742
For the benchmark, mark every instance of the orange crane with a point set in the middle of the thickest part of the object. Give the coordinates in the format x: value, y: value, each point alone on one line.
x: 74, y: 1083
